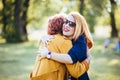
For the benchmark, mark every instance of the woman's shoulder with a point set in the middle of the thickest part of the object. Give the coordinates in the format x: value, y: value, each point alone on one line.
x: 81, y: 38
x: 61, y: 37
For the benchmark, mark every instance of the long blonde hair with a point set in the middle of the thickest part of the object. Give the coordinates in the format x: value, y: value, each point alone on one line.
x: 81, y: 28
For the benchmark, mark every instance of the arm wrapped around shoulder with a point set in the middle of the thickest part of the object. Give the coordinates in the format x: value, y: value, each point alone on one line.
x: 77, y: 69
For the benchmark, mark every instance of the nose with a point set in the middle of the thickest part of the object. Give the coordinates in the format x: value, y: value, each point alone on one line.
x: 67, y: 25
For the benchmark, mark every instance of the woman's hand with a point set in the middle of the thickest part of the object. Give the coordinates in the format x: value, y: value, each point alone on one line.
x: 46, y: 38
x: 89, y: 56
x: 43, y: 52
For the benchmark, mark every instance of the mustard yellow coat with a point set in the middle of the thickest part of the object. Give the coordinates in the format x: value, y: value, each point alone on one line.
x: 46, y: 69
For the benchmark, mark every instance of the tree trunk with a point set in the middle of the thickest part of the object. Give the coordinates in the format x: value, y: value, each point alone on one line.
x: 17, y: 19
x: 24, y: 18
x: 114, y: 32
x: 81, y: 6
x: 21, y: 20
x: 8, y: 30
x: 4, y: 19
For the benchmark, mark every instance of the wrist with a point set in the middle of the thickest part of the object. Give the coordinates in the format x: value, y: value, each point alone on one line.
x: 48, y: 55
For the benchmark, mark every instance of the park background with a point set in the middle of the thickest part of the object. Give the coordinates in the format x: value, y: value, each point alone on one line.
x: 23, y: 22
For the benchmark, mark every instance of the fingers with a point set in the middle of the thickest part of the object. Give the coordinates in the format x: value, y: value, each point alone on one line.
x: 88, y: 53
x: 51, y: 37
x: 40, y: 58
x: 38, y: 55
x: 46, y: 38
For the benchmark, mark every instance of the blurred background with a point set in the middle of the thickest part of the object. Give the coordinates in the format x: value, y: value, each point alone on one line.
x: 22, y: 22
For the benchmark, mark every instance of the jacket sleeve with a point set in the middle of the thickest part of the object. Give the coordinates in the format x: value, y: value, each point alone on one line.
x: 79, y: 50
x: 78, y: 68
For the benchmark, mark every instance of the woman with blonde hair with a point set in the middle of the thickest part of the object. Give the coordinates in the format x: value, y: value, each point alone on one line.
x: 75, y: 28
x: 81, y: 29
x: 48, y: 69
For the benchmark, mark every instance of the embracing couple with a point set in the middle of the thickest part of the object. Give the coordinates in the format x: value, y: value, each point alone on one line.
x: 64, y: 53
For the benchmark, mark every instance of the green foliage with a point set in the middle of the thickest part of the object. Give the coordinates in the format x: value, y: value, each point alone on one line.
x: 95, y: 12
x: 13, y: 20
x: 91, y: 20
x: 92, y: 12
x: 40, y: 10
x: 117, y: 17
x: 8, y: 28
x: 11, y: 34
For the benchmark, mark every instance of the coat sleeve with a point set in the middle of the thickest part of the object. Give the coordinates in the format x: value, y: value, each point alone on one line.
x: 78, y: 68
x: 79, y: 50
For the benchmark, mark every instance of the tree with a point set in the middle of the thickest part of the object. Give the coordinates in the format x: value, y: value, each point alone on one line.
x: 90, y: 11
x: 8, y: 30
x: 20, y: 18
x: 81, y: 7
x: 14, y: 20
x: 114, y: 32
x: 97, y: 9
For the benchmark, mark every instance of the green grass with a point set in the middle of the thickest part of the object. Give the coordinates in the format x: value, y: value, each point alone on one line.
x: 104, y: 65
x: 17, y: 61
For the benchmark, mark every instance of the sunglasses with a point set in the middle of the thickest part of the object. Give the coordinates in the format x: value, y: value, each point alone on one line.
x: 70, y: 23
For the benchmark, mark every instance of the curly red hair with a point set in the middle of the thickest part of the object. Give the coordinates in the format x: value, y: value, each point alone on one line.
x: 55, y: 24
